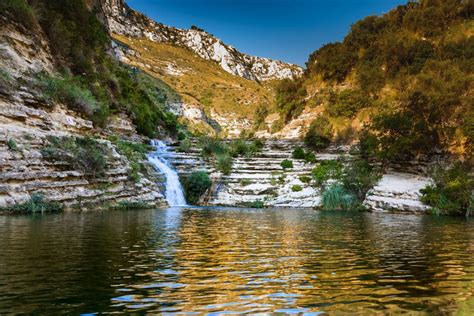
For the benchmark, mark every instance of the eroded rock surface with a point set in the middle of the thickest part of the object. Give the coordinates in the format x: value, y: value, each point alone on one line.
x: 398, y: 192
x: 125, y: 21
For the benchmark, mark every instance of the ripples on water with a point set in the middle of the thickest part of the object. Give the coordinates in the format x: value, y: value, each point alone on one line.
x: 211, y: 260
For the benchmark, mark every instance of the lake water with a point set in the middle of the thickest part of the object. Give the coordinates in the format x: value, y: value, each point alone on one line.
x: 237, y: 260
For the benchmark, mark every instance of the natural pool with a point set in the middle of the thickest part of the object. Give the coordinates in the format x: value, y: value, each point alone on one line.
x: 208, y: 260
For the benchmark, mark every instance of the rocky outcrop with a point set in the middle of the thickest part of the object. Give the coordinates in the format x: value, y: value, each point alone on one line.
x: 27, y: 120
x: 122, y: 20
x: 258, y: 179
x: 398, y: 192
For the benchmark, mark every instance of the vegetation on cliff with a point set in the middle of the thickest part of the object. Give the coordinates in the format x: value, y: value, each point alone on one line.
x: 405, y: 78
x: 89, y: 80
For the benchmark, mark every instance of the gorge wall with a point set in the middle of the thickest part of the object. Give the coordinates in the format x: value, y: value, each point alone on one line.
x: 28, y: 120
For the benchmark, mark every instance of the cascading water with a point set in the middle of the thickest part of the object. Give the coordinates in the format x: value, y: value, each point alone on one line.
x: 174, y: 190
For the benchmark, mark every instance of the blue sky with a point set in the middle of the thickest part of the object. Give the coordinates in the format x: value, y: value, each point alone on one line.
x: 288, y: 30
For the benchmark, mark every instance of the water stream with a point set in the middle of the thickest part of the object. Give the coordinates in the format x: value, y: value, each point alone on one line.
x: 159, y: 158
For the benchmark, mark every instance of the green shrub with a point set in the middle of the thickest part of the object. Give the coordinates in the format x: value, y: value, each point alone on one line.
x: 290, y: 102
x: 254, y: 204
x: 286, y: 164
x: 212, y: 146
x: 310, y: 157
x: 224, y: 163
x: 452, y: 192
x: 37, y: 204
x: 299, y: 153
x: 245, y: 182
x: 135, y: 153
x: 319, y: 134
x: 84, y: 154
x: 305, y: 179
x: 244, y: 148
x: 333, y: 61
x: 132, y: 205
x: 337, y: 198
x: 70, y: 92
x: 20, y: 11
x: 359, y: 177
x: 261, y: 114
x: 296, y: 188
x: 185, y: 145
x: 195, y: 185
x: 12, y: 145
x: 347, y: 103
x: 328, y: 169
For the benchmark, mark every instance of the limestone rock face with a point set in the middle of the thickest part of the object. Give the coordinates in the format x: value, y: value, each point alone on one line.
x: 257, y: 179
x: 27, y: 120
x: 122, y: 20
x: 398, y: 192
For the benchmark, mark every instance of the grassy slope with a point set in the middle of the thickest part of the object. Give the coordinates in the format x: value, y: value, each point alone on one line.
x: 201, y: 82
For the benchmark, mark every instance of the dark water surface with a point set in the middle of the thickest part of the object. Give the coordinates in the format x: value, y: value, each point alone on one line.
x: 211, y: 260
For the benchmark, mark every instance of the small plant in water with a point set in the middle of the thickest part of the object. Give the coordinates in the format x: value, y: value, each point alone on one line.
x: 337, y: 198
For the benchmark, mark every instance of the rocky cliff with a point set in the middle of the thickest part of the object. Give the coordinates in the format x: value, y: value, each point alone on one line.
x: 28, y: 120
x: 123, y: 20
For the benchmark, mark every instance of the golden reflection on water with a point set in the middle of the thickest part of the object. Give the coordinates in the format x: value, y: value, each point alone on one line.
x: 212, y: 260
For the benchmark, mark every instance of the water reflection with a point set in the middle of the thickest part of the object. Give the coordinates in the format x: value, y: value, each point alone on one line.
x: 211, y: 260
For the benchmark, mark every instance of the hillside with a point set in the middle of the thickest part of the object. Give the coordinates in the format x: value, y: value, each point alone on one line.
x: 401, y: 83
x: 213, y: 100
x: 123, y: 20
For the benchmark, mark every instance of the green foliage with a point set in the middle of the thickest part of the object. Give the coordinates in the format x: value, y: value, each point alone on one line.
x: 12, y: 145
x: 347, y: 103
x: 286, y: 164
x: 452, y: 192
x: 84, y: 154
x: 319, y: 134
x: 132, y: 205
x: 212, y: 146
x: 328, y: 169
x: 185, y: 145
x: 140, y: 95
x: 301, y: 154
x: 358, y: 178
x: 195, y: 185
x: 224, y: 163
x: 298, y: 153
x: 76, y: 37
x: 261, y: 114
x: 72, y: 93
x: 245, y: 182
x: 254, y: 204
x: 20, y: 11
x: 244, y: 148
x: 290, y: 99
x: 135, y: 153
x: 309, y: 157
x: 427, y: 114
x: 353, y: 181
x: 296, y: 188
x: 37, y: 204
x: 93, y: 83
x: 305, y: 179
x: 333, y: 61
x: 336, y: 198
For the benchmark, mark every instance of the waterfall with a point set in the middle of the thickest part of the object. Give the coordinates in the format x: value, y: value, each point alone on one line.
x: 174, y: 190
